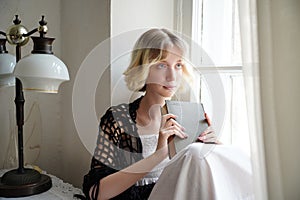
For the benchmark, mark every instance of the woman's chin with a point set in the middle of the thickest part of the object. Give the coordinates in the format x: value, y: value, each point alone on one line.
x: 168, y: 94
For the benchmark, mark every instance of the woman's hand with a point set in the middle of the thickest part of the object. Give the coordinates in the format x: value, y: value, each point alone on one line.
x: 209, y: 135
x: 169, y: 127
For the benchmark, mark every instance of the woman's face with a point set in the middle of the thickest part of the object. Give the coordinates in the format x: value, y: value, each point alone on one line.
x: 165, y: 77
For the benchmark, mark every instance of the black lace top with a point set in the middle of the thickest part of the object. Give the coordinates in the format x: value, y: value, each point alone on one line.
x: 118, y: 146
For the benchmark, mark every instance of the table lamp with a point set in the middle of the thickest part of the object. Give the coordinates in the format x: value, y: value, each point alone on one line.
x: 40, y: 71
x: 7, y: 65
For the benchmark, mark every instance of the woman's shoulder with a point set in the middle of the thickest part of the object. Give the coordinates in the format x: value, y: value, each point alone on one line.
x: 119, y: 109
x: 123, y: 110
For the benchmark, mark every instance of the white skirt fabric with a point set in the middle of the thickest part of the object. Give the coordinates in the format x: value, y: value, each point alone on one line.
x: 206, y: 171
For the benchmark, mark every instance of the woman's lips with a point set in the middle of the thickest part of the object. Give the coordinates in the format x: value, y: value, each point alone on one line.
x: 170, y: 87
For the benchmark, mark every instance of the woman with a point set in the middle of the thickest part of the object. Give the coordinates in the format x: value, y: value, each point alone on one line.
x: 133, y: 137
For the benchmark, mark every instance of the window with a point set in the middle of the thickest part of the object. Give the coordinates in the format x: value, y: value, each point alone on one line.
x: 215, y: 29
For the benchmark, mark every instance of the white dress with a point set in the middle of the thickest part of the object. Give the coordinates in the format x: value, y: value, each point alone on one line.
x: 205, y: 171
x: 149, y: 143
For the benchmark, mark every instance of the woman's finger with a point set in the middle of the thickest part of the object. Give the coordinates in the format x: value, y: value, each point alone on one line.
x: 207, y: 119
x: 165, y: 118
x: 208, y: 135
x: 173, y: 122
x: 177, y: 131
x: 205, y: 139
x: 207, y: 131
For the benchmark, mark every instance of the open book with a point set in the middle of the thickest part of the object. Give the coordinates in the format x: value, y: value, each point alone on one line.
x: 191, y: 116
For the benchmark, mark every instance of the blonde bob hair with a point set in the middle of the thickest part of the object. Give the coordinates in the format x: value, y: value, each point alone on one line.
x: 152, y: 47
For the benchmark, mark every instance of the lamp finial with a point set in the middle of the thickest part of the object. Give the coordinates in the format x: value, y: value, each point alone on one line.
x: 43, y: 29
x: 17, y: 20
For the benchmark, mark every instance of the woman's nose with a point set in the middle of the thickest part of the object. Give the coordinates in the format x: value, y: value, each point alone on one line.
x: 171, y: 74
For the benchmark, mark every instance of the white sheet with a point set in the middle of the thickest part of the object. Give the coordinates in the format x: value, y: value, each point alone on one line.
x: 205, y: 171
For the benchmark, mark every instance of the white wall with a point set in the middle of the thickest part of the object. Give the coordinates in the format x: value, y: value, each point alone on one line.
x: 84, y: 25
x: 279, y: 27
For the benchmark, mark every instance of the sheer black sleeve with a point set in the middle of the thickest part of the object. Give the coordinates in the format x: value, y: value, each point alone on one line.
x: 118, y: 146
x: 104, y: 159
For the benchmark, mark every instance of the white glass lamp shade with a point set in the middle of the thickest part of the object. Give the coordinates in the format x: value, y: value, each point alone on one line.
x: 7, y: 65
x: 41, y: 72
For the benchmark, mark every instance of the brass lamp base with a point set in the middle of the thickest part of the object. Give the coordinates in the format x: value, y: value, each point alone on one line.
x: 26, y: 183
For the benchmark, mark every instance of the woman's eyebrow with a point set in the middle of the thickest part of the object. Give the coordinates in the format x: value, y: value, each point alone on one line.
x: 165, y: 61
x: 162, y: 61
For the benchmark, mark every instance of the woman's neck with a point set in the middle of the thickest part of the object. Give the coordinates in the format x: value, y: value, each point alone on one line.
x: 152, y: 99
x: 149, y: 111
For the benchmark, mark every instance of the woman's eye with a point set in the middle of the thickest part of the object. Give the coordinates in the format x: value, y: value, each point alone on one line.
x: 178, y: 65
x: 162, y: 66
